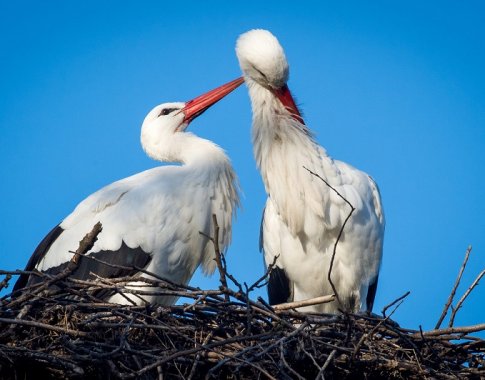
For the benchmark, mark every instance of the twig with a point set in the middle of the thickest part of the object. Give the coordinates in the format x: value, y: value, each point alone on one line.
x: 352, y: 209
x: 463, y: 298
x: 453, y: 330
x: 307, y: 302
x: 222, y: 270
x: 393, y: 303
x: 5, y: 281
x: 197, y: 357
x: 50, y: 358
x: 326, y: 364
x: 453, y: 290
x: 218, y: 255
x: 266, y: 274
x: 188, y: 352
x: 85, y: 245
x: 43, y: 326
x: 365, y: 336
x: 283, y: 360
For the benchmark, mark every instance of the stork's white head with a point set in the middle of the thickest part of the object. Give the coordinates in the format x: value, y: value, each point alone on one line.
x: 262, y: 58
x: 163, y: 127
x: 263, y: 61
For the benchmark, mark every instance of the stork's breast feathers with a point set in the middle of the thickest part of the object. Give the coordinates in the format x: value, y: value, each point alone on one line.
x: 376, y: 197
x: 318, y: 207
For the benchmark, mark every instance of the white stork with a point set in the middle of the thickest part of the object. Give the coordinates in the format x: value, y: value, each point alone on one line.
x: 303, y: 215
x: 154, y: 219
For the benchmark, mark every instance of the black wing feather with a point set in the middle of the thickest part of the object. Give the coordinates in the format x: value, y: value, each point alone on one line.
x: 123, y: 262
x: 371, y: 294
x: 278, y: 287
x: 278, y: 284
x: 38, y: 255
x: 261, y: 233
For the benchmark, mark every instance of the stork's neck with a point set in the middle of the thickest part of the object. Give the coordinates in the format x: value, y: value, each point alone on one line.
x: 207, y: 167
x: 185, y: 148
x: 276, y: 131
x: 283, y: 148
x: 203, y: 158
x: 196, y: 151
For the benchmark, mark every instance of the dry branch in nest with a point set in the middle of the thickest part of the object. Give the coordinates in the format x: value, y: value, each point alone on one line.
x: 64, y: 331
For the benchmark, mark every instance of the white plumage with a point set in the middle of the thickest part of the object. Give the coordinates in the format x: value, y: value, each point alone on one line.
x: 154, y: 219
x: 303, y: 215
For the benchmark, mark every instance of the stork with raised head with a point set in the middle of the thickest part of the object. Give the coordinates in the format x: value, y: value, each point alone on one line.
x: 304, y: 214
x: 158, y: 220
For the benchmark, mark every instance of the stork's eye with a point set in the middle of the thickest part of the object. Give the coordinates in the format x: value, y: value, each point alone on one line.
x: 260, y: 72
x: 166, y: 111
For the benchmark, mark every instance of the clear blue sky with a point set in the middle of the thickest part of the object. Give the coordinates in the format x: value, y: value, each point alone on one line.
x: 397, y: 89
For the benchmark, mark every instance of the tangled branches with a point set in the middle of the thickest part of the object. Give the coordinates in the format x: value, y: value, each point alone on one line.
x: 210, y: 337
x: 66, y: 332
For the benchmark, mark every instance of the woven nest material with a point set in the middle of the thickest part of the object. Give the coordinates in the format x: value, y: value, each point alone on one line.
x: 219, y: 334
x: 59, y: 329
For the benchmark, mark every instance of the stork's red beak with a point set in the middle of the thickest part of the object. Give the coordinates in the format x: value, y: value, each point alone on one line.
x: 198, y: 105
x: 285, y: 97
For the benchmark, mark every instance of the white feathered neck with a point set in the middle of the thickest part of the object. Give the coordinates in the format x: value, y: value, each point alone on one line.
x: 283, y: 148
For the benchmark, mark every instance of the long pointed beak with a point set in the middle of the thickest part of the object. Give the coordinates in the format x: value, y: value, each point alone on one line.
x: 198, y: 105
x: 285, y: 97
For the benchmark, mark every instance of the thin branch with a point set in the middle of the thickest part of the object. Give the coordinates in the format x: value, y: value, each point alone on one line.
x: 352, y: 209
x: 283, y: 360
x: 326, y: 364
x: 307, y: 302
x: 453, y: 290
x: 218, y: 255
x: 43, y: 326
x: 393, y: 303
x: 85, y: 245
x: 5, y: 281
x: 463, y: 298
x: 453, y: 330
x: 370, y: 334
x: 266, y: 274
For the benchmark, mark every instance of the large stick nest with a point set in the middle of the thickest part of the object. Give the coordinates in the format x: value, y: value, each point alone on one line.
x: 220, y: 334
x: 59, y: 329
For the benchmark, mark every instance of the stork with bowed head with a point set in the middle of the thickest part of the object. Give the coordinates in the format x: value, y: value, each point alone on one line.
x: 158, y: 220
x: 304, y: 214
